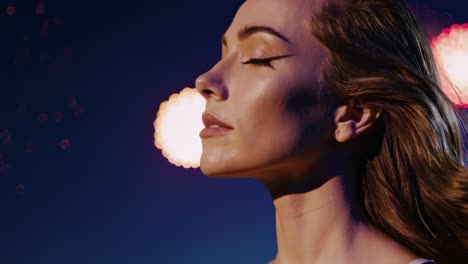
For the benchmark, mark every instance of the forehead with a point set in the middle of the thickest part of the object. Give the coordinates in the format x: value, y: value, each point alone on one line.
x: 286, y: 16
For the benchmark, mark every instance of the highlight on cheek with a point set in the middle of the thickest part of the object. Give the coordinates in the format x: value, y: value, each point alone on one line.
x: 177, y: 126
x: 450, y: 50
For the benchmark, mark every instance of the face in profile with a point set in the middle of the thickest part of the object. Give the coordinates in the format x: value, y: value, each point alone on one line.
x: 266, y: 87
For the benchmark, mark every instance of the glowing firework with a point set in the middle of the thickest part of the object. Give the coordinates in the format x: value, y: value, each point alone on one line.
x: 451, y: 54
x: 177, y: 126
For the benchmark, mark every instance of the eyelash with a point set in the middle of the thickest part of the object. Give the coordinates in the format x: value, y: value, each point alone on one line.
x: 265, y: 62
x: 262, y: 62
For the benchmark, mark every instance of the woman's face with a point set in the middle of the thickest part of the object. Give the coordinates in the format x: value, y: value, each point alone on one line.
x: 272, y: 105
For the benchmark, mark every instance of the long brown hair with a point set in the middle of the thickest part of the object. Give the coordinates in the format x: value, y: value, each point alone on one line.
x: 415, y: 188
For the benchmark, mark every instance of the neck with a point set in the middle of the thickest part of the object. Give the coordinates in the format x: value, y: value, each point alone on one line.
x: 318, y: 226
x: 317, y: 218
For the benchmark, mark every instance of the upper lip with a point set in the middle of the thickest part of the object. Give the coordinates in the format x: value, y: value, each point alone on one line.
x: 209, y: 119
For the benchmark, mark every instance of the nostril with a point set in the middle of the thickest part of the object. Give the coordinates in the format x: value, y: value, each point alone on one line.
x: 207, y: 92
x: 210, y: 85
x: 204, y: 91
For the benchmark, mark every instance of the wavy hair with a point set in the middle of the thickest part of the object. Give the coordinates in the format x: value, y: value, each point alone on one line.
x: 415, y: 185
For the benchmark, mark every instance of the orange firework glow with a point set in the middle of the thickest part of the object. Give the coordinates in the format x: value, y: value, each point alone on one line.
x: 451, y: 54
x: 177, y: 126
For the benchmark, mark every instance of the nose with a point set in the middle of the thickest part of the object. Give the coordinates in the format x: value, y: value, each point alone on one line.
x: 211, y: 85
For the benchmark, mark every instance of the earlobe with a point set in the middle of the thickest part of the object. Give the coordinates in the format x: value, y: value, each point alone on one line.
x: 351, y: 121
x: 345, y: 131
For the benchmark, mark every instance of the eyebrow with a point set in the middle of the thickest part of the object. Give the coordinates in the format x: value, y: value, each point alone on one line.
x: 248, y: 31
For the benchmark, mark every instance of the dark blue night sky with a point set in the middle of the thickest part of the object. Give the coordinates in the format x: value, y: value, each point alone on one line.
x: 80, y: 178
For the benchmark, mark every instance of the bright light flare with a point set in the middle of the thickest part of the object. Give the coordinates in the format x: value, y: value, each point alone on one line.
x: 450, y: 50
x: 177, y: 127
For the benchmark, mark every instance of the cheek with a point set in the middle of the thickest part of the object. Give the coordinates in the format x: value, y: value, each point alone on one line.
x: 272, y: 126
x: 269, y: 131
x: 285, y: 117
x: 265, y: 133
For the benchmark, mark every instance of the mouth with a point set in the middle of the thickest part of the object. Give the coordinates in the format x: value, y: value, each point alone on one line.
x: 214, y: 131
x: 213, y: 126
x: 211, y: 121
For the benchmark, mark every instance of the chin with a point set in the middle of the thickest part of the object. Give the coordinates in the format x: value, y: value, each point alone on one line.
x: 208, y: 171
x: 219, y: 173
x: 221, y: 170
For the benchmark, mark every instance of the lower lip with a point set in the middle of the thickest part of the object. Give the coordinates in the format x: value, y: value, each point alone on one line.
x: 214, y: 131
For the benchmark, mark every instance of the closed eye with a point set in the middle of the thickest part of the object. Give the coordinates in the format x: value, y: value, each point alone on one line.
x: 264, y: 62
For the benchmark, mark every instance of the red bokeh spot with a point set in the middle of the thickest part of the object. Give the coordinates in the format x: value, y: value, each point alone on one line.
x: 450, y: 50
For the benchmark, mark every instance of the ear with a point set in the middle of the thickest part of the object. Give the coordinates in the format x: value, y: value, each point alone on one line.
x: 352, y: 120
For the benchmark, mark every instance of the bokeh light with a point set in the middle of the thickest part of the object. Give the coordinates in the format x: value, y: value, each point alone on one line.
x: 5, y: 166
x: 20, y: 189
x: 11, y: 9
x: 177, y: 126
x: 43, y: 118
x: 57, y: 116
x: 65, y: 144
x: 41, y: 106
x: 5, y: 137
x: 451, y: 54
x: 40, y: 8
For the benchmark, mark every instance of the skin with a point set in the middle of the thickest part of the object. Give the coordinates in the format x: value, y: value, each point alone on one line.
x: 305, y: 157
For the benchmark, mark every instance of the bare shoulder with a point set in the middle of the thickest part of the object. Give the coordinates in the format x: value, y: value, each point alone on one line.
x: 376, y: 245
